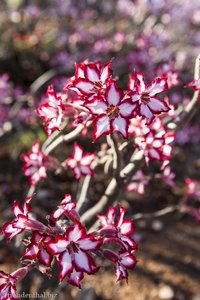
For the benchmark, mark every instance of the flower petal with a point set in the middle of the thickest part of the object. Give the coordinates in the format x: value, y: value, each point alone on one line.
x: 58, y: 246
x: 154, y: 154
x: 85, y: 170
x: 146, y: 112
x: 31, y: 252
x: 84, y: 85
x: 89, y: 243
x: 101, y: 126
x: 127, y: 227
x: 139, y: 83
x: 83, y: 262
x: 96, y: 106
x: 92, y: 73
x: 44, y: 257
x: 17, y: 209
x: 75, y: 278
x: 87, y: 159
x: 127, y: 260
x: 71, y: 163
x: 157, y: 105
x: 78, y: 152
x: 10, y: 231
x: 127, y: 108
x: 106, y: 72
x: 74, y: 233
x: 113, y: 94
x: 120, y: 125
x: 65, y: 262
x: 167, y: 149
x: 157, y: 86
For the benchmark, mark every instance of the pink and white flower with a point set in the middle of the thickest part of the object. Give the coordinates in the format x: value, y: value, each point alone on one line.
x: 7, y: 286
x: 72, y: 251
x: 22, y: 221
x: 138, y: 127
x: 36, y: 249
x: 156, y: 145
x: 117, y: 229
x: 9, y: 228
x: 75, y: 278
x: 80, y: 163
x: 52, y: 111
x: 167, y: 175
x: 35, y: 164
x: 167, y: 70
x: 111, y: 114
x: 8, y: 283
x: 138, y: 183
x: 193, y: 191
x: 66, y: 207
x: 123, y: 260
x: 145, y: 96
x: 90, y: 79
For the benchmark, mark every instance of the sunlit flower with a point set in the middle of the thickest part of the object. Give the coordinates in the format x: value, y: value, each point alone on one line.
x: 34, y: 164
x: 72, y: 252
x: 52, y: 111
x: 90, y: 79
x: 80, y: 163
x: 111, y: 114
x: 145, y: 96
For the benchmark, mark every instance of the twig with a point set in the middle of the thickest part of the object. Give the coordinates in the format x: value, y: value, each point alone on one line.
x: 111, y: 139
x: 83, y: 194
x: 113, y: 187
x: 48, y: 76
x: 85, y: 187
x: 31, y: 191
x: 156, y: 214
x: 64, y: 138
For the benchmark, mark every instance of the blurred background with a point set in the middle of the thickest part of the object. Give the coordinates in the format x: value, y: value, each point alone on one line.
x: 40, y: 41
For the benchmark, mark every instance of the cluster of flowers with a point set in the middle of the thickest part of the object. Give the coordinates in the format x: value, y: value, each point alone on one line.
x: 109, y: 107
x: 136, y: 114
x: 66, y: 239
x: 101, y: 103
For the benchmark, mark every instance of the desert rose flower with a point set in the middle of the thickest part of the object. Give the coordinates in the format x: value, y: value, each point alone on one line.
x: 66, y: 207
x: 8, y: 283
x: 36, y: 249
x: 116, y: 228
x: 80, y: 162
x: 138, y: 183
x: 123, y: 261
x: 52, y: 111
x: 34, y: 164
x: 111, y: 114
x: 72, y: 252
x: 22, y: 221
x: 90, y: 79
x: 145, y: 96
x: 156, y: 145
